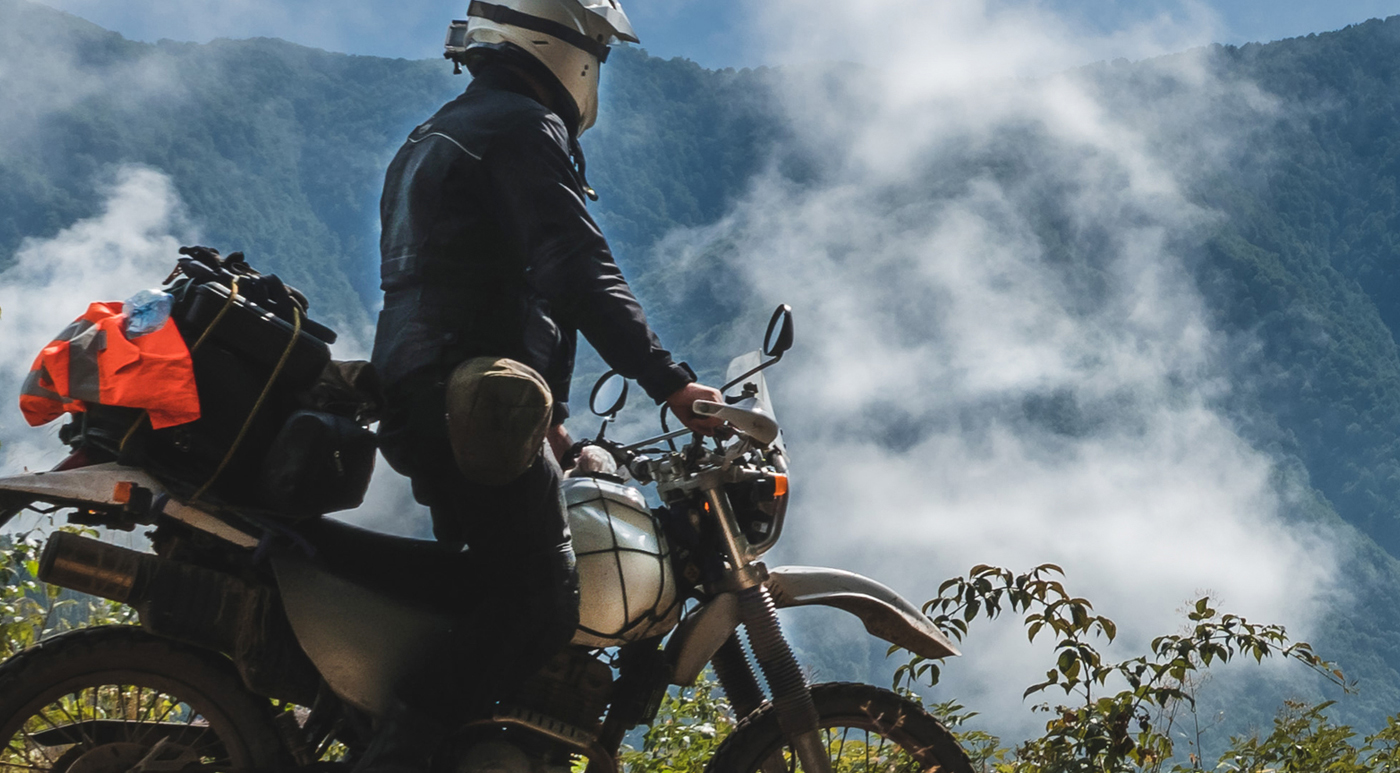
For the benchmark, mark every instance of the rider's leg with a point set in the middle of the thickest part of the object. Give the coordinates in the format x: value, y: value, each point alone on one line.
x: 525, y: 588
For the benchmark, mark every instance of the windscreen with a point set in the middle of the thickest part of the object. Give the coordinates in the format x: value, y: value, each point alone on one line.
x: 738, y: 367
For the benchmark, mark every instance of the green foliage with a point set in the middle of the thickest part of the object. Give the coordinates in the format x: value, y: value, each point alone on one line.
x: 983, y: 749
x: 1103, y: 731
x: 1124, y: 713
x: 1122, y: 717
x: 1304, y: 740
x: 689, y: 727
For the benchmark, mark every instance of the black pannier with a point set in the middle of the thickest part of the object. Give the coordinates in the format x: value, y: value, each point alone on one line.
x: 266, y: 418
x: 319, y: 463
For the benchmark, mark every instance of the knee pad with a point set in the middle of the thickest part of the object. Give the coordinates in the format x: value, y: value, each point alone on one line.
x: 498, y: 411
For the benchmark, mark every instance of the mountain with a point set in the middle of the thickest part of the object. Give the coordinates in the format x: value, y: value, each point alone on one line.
x: 278, y: 150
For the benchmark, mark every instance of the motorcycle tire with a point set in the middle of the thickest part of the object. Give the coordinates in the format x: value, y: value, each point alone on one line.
x: 115, y: 698
x: 852, y: 717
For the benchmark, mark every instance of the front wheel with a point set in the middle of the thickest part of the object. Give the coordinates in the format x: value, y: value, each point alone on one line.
x: 864, y: 728
x: 116, y: 700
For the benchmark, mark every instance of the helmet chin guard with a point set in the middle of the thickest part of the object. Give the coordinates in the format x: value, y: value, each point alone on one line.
x: 570, y: 37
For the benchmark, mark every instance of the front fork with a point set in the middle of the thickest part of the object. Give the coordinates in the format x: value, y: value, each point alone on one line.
x: 792, y: 697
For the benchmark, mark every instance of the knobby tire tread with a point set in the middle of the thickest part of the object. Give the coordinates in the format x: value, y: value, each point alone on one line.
x: 758, y: 732
x: 123, y: 648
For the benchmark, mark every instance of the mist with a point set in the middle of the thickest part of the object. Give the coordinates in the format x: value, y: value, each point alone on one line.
x: 1001, y: 355
x: 129, y: 245
x: 43, y: 76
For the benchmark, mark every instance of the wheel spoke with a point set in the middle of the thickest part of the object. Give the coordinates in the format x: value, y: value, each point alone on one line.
x: 79, y: 725
x: 141, y: 710
x: 142, y: 714
x: 22, y: 754
x: 166, y: 713
x: 44, y: 750
x: 194, y: 744
x: 151, y: 727
x: 99, y: 699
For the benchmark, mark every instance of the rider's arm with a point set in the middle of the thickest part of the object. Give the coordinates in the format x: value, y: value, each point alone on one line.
x: 540, y: 207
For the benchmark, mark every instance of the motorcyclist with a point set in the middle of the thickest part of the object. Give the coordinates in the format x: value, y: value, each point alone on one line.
x: 490, y: 266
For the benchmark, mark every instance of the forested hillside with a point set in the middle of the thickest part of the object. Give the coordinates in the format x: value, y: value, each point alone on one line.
x: 1309, y: 258
x: 278, y: 150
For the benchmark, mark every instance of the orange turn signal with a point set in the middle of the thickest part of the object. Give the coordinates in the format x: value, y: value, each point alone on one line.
x: 121, y: 493
x: 780, y: 485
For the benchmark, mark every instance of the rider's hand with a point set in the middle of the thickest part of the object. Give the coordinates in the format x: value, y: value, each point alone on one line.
x: 559, y: 442
x: 682, y: 400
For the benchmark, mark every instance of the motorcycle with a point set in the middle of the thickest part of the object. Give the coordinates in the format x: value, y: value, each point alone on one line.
x: 266, y: 645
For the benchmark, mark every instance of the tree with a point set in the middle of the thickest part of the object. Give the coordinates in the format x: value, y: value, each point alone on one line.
x: 1104, y: 731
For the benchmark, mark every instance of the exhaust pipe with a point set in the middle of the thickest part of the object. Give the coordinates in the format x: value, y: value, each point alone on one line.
x: 175, y: 599
x: 92, y: 567
x: 191, y: 604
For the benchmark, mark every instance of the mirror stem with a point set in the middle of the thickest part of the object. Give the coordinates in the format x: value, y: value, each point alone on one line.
x: 761, y: 366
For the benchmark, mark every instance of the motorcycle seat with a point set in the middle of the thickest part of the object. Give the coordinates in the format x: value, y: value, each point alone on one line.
x: 419, y: 572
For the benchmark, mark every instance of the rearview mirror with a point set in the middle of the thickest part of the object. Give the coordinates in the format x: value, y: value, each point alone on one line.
x: 609, y: 395
x: 778, y: 339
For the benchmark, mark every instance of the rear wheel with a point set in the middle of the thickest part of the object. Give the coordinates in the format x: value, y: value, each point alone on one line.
x: 118, y: 700
x: 864, y: 729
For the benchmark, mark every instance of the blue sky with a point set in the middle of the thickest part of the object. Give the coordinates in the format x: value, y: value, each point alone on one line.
x: 711, y: 32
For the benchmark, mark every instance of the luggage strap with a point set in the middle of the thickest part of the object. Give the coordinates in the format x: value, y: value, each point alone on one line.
x: 228, y: 304
x: 262, y: 398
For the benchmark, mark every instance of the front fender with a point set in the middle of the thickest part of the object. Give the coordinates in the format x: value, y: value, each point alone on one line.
x: 886, y: 614
x: 883, y: 612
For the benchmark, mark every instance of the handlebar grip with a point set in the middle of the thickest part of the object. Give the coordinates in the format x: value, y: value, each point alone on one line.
x: 706, y: 408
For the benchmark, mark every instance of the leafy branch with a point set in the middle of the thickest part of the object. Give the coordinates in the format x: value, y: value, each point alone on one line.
x: 1104, y: 730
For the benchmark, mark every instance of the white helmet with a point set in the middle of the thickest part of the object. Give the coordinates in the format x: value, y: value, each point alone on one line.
x: 570, y: 37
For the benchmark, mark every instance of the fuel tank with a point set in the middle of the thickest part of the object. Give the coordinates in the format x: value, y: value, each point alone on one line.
x: 627, y: 585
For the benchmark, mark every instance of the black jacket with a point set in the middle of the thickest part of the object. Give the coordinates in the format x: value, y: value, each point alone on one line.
x: 488, y: 249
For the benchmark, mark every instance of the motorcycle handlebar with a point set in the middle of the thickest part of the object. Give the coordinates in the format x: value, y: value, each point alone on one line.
x: 639, y: 445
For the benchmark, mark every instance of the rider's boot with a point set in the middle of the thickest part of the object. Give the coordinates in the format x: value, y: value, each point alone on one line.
x: 404, y: 743
x: 504, y: 757
x: 494, y: 757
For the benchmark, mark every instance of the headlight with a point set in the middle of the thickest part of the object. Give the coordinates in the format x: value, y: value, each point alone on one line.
x: 760, y: 505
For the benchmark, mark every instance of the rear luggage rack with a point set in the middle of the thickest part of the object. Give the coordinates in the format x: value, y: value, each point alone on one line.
x: 258, y: 363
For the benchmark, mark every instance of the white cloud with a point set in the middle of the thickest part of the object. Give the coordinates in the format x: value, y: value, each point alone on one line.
x: 42, y: 75
x: 130, y: 244
x: 126, y: 247
x: 1002, y: 357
